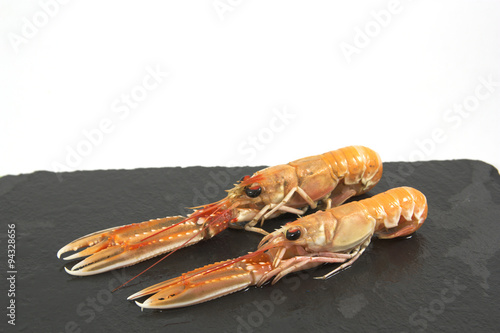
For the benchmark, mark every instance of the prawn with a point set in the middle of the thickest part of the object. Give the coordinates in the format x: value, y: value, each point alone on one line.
x: 327, y: 180
x: 338, y: 235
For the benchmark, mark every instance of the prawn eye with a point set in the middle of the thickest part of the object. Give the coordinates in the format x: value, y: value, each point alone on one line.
x: 253, y: 192
x: 293, y: 234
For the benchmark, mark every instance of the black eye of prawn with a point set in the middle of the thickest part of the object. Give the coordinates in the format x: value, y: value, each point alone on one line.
x: 253, y: 192
x: 293, y: 234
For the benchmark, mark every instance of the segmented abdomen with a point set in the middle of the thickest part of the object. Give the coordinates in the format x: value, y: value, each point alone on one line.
x: 398, y: 212
x: 355, y: 164
x: 338, y: 174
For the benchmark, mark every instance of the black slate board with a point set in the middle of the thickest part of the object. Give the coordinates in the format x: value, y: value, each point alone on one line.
x: 445, y: 277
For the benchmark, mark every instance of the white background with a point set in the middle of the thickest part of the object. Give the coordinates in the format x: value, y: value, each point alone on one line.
x: 249, y: 82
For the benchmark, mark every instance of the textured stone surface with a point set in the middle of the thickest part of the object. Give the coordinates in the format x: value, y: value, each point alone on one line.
x: 445, y: 277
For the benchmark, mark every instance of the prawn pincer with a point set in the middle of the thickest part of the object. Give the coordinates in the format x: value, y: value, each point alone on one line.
x: 337, y: 235
x: 327, y: 180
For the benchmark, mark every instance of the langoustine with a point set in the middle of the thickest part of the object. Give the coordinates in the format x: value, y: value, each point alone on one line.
x: 337, y: 235
x: 327, y: 180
